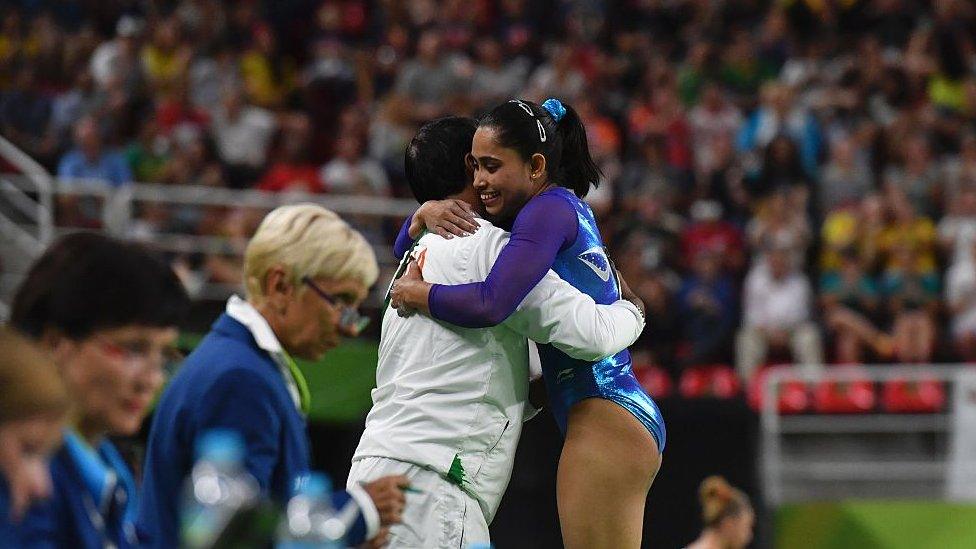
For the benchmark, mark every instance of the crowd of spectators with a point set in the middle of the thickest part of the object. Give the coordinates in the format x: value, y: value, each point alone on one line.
x: 783, y: 177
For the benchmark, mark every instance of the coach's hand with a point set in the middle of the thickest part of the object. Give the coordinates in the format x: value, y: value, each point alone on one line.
x: 409, y: 293
x: 447, y: 218
x: 387, y: 495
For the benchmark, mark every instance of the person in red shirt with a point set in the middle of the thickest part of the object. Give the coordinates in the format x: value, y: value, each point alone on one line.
x: 292, y: 171
x: 709, y: 232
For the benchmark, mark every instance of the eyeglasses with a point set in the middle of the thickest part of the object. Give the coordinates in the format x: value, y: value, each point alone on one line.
x: 349, y: 317
x: 141, y: 354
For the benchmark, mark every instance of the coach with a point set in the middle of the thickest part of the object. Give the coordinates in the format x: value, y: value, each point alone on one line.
x: 305, y: 272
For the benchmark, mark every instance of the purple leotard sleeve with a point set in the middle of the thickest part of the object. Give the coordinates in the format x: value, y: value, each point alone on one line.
x: 403, y: 240
x: 545, y: 226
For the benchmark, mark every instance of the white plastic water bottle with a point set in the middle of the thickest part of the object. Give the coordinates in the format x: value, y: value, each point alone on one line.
x: 310, y: 519
x: 217, y: 489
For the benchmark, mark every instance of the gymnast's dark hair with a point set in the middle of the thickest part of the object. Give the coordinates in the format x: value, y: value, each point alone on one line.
x: 434, y: 160
x: 529, y: 129
x: 85, y: 282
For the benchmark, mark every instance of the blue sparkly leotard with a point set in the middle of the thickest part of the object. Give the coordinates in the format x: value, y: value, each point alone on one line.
x: 553, y: 230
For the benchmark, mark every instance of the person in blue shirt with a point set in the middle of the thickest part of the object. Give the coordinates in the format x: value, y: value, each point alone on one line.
x: 90, y: 160
x: 107, y: 311
x: 306, y: 271
x: 33, y: 406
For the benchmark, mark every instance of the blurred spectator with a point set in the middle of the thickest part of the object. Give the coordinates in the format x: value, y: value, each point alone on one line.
x: 243, y: 135
x: 780, y: 219
x: 960, y: 172
x: 779, y: 115
x: 268, y: 76
x: 781, y: 171
x: 293, y: 171
x: 25, y: 114
x: 858, y: 227
x: 351, y: 172
x: 656, y: 345
x: 850, y: 301
x: 210, y: 74
x: 660, y: 114
x: 961, y: 301
x: 148, y: 156
x: 917, y: 177
x: 557, y: 77
x: 846, y: 178
x: 707, y: 308
x: 911, y: 292
x: 429, y: 81
x: 777, y: 302
x: 957, y: 230
x: 166, y: 57
x: 118, y: 59
x: 496, y: 79
x: 907, y: 231
x: 91, y: 160
x: 741, y: 68
x: 714, y: 121
x: 708, y: 231
x: 32, y: 414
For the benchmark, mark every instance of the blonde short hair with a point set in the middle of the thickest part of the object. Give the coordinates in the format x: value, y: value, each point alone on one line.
x: 307, y: 240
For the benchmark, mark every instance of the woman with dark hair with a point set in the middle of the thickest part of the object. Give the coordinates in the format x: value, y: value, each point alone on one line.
x: 532, y: 167
x: 727, y: 515
x: 33, y: 406
x: 108, y: 312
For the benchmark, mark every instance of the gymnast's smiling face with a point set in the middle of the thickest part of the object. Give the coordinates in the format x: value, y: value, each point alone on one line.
x: 503, y: 179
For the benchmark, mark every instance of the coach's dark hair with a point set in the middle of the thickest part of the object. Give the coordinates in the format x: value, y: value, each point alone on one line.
x: 85, y: 282
x: 568, y: 160
x: 434, y: 160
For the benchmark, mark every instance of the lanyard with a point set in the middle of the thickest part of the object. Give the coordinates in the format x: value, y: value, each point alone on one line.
x: 304, y: 396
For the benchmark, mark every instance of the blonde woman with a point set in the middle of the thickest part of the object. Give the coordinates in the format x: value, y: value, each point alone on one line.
x: 727, y: 515
x: 33, y: 405
x: 306, y: 271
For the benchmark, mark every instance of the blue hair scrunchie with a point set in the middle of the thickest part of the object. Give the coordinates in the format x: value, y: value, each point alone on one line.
x: 555, y: 108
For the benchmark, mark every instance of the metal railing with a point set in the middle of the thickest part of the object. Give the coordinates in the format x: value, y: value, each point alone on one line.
x: 877, y: 454
x: 26, y: 217
x: 117, y: 210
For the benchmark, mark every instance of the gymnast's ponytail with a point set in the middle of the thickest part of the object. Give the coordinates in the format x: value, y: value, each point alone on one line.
x: 577, y: 170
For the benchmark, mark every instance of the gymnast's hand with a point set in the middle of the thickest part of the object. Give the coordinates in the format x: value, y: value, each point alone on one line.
x: 447, y: 218
x: 409, y: 292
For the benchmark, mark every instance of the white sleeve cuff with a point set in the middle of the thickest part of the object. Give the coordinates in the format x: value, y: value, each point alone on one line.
x: 368, y: 509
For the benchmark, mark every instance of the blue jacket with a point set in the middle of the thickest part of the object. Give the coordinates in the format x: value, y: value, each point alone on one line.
x: 85, y: 510
x: 227, y: 382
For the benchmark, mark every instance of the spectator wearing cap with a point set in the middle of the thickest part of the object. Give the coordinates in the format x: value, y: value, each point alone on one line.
x: 118, y: 59
x: 777, y: 302
x: 709, y: 231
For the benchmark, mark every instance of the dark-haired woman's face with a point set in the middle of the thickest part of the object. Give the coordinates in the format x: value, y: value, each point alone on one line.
x: 114, y: 374
x: 502, y: 178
